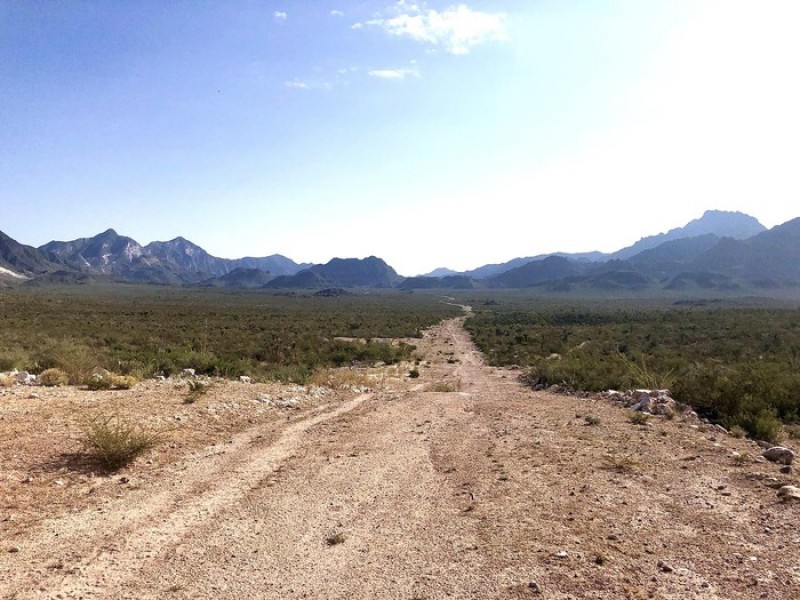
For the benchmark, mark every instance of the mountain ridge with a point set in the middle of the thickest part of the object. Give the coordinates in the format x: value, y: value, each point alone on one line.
x: 711, y: 259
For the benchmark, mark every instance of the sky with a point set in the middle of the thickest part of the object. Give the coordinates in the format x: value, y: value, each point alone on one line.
x: 430, y: 134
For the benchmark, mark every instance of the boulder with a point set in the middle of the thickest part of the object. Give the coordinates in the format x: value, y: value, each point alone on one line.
x: 779, y: 454
x: 788, y: 493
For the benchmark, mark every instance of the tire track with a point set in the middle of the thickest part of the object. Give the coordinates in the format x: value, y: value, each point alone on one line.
x: 82, y: 554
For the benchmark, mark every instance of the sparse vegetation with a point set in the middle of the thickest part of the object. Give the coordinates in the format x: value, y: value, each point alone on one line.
x: 638, y: 418
x: 736, y: 363
x: 150, y: 330
x: 115, y: 442
x: 335, y: 539
x: 592, y: 420
x: 413, y: 373
x: 197, y: 389
x: 53, y: 377
x: 620, y: 462
x: 446, y: 386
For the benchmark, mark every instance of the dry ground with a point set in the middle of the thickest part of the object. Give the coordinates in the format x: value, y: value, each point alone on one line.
x: 459, y: 484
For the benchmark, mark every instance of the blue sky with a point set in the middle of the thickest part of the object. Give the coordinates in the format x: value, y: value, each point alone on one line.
x: 427, y: 133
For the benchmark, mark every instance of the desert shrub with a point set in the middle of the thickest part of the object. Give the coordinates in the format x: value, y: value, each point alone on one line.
x: 197, y: 389
x: 638, y: 418
x: 115, y: 442
x: 7, y: 380
x: 53, y: 377
x: 98, y: 382
x: 735, y: 366
x: 340, y: 378
x: 446, y: 386
x: 123, y: 382
x: 298, y: 374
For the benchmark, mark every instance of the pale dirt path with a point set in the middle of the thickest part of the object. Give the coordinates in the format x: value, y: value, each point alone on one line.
x: 437, y: 494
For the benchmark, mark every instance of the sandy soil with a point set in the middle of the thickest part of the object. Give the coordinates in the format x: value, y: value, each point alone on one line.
x: 462, y: 483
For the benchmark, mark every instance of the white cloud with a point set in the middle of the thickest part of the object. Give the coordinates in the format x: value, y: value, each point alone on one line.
x: 296, y: 84
x: 393, y: 73
x: 279, y: 16
x: 337, y: 13
x: 457, y: 28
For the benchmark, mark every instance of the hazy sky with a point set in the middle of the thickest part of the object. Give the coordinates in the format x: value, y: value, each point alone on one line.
x: 427, y: 133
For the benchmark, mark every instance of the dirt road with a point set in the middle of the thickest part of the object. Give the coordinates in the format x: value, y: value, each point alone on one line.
x: 459, y: 484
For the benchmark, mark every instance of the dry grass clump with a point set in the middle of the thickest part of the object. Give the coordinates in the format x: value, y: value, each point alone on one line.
x: 53, y: 377
x: 446, y: 386
x: 339, y: 379
x: 638, y: 418
x: 115, y: 442
x: 7, y: 380
x: 110, y: 381
x: 621, y: 463
x: 197, y: 389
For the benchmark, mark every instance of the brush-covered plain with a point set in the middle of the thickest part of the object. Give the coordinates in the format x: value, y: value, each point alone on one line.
x: 145, y: 331
x: 735, y: 361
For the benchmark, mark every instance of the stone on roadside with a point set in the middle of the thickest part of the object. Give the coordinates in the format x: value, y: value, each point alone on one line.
x: 779, y: 454
x: 788, y: 493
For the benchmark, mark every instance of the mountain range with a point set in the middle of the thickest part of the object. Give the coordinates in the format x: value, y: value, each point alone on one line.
x: 719, y: 250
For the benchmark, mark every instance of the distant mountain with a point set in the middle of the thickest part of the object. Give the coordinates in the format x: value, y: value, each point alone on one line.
x: 177, y: 261
x: 187, y: 256
x: 717, y: 222
x: 102, y: 253
x: 275, y: 264
x: 450, y: 282
x: 18, y: 262
x: 491, y: 270
x: 720, y: 250
x: 440, y: 272
x: 371, y: 272
x: 535, y: 272
x: 241, y: 278
x: 769, y: 259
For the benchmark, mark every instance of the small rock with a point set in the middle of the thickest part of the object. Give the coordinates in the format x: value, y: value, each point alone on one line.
x: 562, y: 554
x: 14, y: 549
x: 244, y: 379
x: 786, y: 469
x: 534, y: 587
x: 779, y: 454
x: 124, y: 480
x: 59, y: 482
x: 33, y: 396
x: 788, y: 493
x: 665, y: 568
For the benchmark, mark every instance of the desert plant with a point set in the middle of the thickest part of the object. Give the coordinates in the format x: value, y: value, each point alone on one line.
x: 98, y: 382
x: 53, y: 377
x: 335, y: 539
x: 642, y: 375
x: 7, y: 380
x: 115, y: 442
x: 446, y: 386
x: 123, y: 382
x: 738, y: 432
x: 620, y: 462
x: 638, y: 418
x: 591, y: 420
x: 197, y: 389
